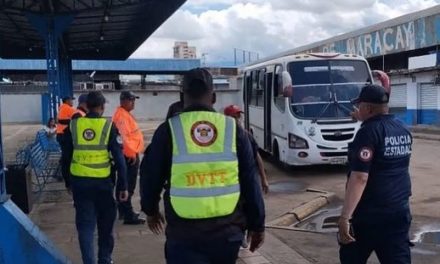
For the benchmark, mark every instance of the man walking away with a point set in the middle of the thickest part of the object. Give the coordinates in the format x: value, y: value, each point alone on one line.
x: 376, y: 214
x: 91, y: 139
x: 201, y: 159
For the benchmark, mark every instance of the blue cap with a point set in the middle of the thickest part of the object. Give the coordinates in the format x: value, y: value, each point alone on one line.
x: 82, y: 99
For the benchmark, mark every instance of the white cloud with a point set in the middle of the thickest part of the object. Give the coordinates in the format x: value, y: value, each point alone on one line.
x: 216, y: 27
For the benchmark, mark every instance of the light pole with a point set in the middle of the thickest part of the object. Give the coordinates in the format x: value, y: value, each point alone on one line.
x: 204, y: 59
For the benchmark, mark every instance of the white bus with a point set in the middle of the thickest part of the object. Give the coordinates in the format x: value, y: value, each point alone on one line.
x: 298, y: 106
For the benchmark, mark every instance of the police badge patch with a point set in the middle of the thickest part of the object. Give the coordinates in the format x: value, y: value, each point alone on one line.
x: 89, y: 134
x: 366, y: 154
x: 203, y: 133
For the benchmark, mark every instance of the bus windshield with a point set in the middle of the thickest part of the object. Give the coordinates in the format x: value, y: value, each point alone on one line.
x: 322, y: 89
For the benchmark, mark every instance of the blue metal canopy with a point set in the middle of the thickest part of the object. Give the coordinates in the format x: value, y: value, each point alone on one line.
x: 162, y: 66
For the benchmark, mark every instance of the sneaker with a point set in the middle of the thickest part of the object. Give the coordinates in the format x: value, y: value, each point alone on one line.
x: 244, y: 243
x: 136, y: 220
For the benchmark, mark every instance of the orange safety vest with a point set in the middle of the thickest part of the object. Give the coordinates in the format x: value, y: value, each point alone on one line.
x: 79, y: 111
x: 65, y: 113
x: 132, y: 138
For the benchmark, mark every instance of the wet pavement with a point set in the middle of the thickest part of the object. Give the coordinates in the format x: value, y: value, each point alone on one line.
x: 136, y: 244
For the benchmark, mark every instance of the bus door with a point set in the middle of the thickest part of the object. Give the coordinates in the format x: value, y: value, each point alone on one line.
x: 247, y: 86
x: 268, y: 81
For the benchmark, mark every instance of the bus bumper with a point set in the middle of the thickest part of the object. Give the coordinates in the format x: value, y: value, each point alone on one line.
x: 304, y: 157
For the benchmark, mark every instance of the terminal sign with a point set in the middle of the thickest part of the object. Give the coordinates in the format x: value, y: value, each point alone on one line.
x: 420, y: 33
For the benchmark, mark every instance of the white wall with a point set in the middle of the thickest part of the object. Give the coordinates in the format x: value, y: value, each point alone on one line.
x: 154, y: 105
x: 26, y: 107
x: 21, y: 108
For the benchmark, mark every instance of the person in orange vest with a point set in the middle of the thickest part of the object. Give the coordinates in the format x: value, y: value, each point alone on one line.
x: 81, y: 109
x: 65, y: 113
x: 133, y: 144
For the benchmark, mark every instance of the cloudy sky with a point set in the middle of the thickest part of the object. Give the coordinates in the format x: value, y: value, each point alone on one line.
x: 266, y: 27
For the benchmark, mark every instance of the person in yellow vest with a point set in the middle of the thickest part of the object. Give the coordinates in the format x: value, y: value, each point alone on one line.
x: 204, y: 162
x: 91, y: 139
x: 65, y: 114
x: 133, y: 144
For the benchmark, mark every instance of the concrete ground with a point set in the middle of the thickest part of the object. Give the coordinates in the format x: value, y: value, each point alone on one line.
x: 54, y: 213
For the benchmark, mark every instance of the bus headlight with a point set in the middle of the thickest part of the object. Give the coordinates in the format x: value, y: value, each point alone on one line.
x: 296, y: 142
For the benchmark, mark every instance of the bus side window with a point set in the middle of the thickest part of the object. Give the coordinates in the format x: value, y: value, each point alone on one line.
x: 279, y: 99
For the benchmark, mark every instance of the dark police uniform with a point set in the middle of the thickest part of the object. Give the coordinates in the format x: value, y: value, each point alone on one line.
x: 381, y: 220
x: 94, y: 202
x: 211, y: 240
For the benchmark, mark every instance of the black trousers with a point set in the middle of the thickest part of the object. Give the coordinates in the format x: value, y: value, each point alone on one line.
x: 64, y: 159
x: 126, y: 208
x: 385, y: 234
x: 201, y: 252
x: 94, y: 207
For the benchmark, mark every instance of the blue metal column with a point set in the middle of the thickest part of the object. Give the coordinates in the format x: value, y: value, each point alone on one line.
x: 65, y: 75
x: 51, y: 29
x: 51, y: 61
x: 3, y: 195
x: 21, y: 241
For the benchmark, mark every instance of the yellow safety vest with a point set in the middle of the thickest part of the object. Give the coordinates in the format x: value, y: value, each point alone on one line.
x: 90, y: 147
x: 204, y: 172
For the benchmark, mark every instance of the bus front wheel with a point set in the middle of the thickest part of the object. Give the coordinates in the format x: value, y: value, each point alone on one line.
x: 276, y: 156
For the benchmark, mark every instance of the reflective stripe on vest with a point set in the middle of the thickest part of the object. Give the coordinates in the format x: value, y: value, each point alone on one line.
x: 90, y: 152
x: 204, y: 173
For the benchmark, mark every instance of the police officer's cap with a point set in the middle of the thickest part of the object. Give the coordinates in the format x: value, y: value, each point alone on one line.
x: 197, y: 81
x: 128, y: 95
x: 372, y: 93
x: 95, y: 99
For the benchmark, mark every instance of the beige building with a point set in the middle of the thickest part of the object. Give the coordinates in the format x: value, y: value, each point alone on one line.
x: 183, y: 51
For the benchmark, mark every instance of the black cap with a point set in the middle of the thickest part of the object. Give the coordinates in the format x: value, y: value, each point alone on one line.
x: 128, y: 95
x: 68, y: 97
x: 95, y: 99
x: 82, y: 99
x: 372, y: 93
x: 196, y: 81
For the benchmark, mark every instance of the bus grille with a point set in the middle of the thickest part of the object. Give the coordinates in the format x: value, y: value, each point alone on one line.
x: 342, y: 134
x: 333, y: 154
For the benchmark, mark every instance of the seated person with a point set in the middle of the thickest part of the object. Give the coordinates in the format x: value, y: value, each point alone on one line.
x: 51, y: 129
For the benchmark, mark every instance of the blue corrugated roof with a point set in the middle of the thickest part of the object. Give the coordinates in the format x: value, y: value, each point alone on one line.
x: 130, y: 65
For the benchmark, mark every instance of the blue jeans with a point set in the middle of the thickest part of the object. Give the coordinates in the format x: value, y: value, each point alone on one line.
x: 95, y: 206
x: 385, y: 234
x: 202, y: 252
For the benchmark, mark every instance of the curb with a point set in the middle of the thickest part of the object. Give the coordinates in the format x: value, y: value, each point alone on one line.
x: 303, y: 211
x: 431, y: 137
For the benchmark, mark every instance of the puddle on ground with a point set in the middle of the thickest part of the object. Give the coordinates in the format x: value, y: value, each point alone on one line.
x: 429, y: 237
x: 286, y: 187
x: 324, y: 221
x: 428, y: 234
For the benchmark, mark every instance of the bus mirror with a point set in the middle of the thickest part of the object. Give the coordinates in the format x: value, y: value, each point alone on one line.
x: 288, y: 91
x: 287, y: 84
x: 384, y: 79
